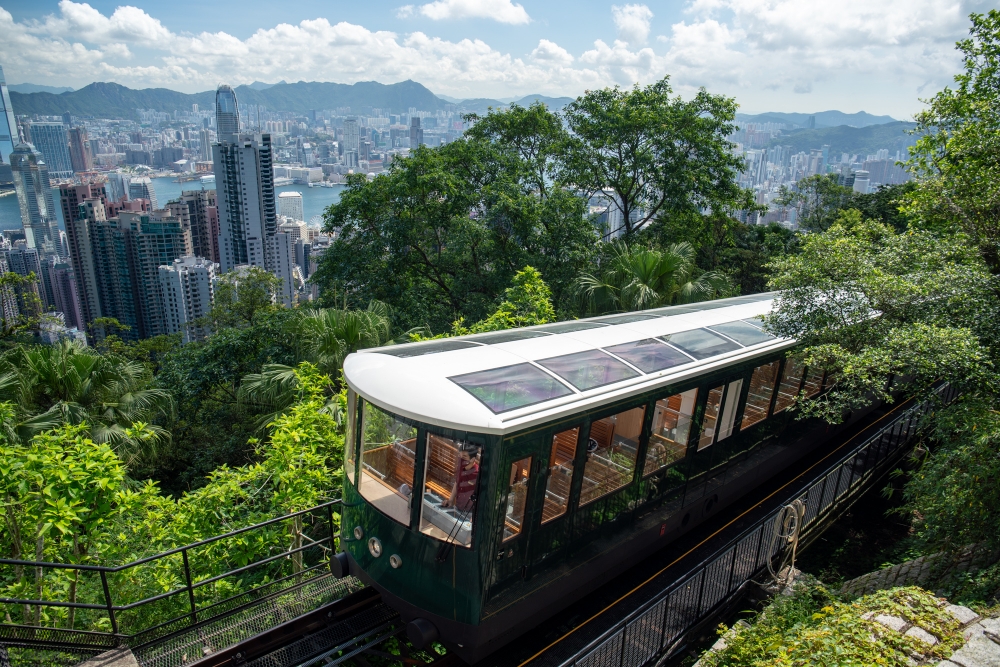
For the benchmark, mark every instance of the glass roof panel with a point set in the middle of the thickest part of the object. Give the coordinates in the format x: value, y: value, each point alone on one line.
x: 625, y: 318
x: 589, y: 369
x: 430, y: 347
x: 511, y: 387
x: 742, y: 332
x: 756, y: 321
x: 701, y: 343
x: 649, y: 355
x: 506, y: 336
x: 566, y: 327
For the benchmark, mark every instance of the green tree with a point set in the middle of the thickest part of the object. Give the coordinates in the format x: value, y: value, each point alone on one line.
x: 241, y: 294
x: 817, y: 200
x: 957, y: 157
x: 869, y: 305
x: 753, y: 247
x: 527, y: 302
x: 67, y: 383
x: 660, y: 157
x: 637, y: 278
x: 441, y: 234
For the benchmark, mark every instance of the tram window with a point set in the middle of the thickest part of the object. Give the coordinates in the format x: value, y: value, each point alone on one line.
x: 671, y: 428
x: 729, y: 409
x: 814, y: 382
x: 611, y: 454
x: 586, y: 370
x: 451, y: 477
x: 711, y: 419
x: 650, y: 355
x: 788, y: 388
x: 517, y: 497
x: 560, y: 474
x: 759, y: 397
x: 701, y: 343
x: 349, y: 440
x: 511, y: 387
x: 388, y: 447
x: 741, y: 332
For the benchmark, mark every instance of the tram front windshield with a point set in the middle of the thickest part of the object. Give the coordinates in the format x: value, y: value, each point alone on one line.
x: 451, y: 483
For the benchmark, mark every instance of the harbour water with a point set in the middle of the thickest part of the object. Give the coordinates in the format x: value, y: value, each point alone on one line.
x: 314, y: 200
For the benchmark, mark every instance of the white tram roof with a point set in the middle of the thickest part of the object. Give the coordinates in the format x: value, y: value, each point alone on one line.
x: 507, y: 381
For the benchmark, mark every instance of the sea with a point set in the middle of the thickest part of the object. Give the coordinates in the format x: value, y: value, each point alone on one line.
x: 315, y: 200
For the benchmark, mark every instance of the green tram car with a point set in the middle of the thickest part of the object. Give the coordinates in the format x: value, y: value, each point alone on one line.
x: 494, y: 479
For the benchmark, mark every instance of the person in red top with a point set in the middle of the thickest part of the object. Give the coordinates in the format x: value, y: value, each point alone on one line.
x: 466, y: 477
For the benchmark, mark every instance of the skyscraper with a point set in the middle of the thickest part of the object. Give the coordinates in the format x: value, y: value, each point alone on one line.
x: 142, y: 188
x: 244, y: 181
x: 206, y: 145
x: 66, y: 297
x: 52, y: 142
x: 8, y: 125
x: 79, y: 150
x: 198, y: 212
x: 187, y: 290
x: 34, y: 195
x: 290, y: 205
x: 151, y: 240
x: 416, y: 133
x: 352, y: 137
x: 227, y: 112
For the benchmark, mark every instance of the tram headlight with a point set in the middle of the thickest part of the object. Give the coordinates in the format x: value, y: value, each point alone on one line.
x: 374, y: 547
x: 359, y: 532
x: 395, y: 561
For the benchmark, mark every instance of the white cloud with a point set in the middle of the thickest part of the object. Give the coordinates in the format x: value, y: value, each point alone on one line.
x: 503, y: 11
x: 632, y: 22
x: 551, y: 52
x: 880, y: 55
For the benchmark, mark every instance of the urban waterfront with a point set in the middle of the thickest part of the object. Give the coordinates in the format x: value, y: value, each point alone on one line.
x: 314, y: 200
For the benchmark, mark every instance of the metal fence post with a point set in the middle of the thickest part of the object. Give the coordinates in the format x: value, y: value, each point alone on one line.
x: 329, y: 518
x: 107, y: 602
x: 187, y: 577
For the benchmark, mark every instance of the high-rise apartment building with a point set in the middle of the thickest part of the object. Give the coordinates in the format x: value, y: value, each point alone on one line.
x: 352, y: 135
x: 227, y: 112
x: 244, y: 181
x: 199, y: 213
x: 187, y: 291
x: 24, y: 261
x: 117, y: 187
x: 290, y: 205
x: 34, y: 196
x: 79, y: 150
x: 151, y: 240
x: 66, y: 298
x: 53, y: 143
x: 8, y: 125
x: 281, y: 260
x: 142, y: 188
x: 416, y: 133
x: 205, y: 141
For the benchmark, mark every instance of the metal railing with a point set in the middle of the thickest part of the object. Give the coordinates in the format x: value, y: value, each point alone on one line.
x: 660, y: 625
x: 173, y: 591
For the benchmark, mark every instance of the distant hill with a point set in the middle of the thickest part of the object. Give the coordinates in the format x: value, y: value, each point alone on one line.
x: 823, y: 118
x: 553, y: 103
x: 844, y: 139
x: 111, y: 100
x: 480, y: 105
x: 36, y: 88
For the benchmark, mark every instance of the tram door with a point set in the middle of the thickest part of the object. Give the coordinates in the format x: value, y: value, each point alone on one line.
x: 515, y: 514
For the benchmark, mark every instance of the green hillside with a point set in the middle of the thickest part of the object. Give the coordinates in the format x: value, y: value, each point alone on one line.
x: 111, y: 100
x: 844, y: 139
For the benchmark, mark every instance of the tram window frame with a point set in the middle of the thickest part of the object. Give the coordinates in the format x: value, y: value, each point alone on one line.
x: 755, y: 413
x: 590, y: 451
x: 385, y: 503
x: 706, y: 439
x: 569, y: 466
x: 523, y: 481
x: 788, y: 392
x: 474, y: 448
x: 730, y: 408
x: 350, y: 439
x: 690, y: 395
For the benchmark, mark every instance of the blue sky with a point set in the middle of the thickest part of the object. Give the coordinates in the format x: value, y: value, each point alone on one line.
x: 879, y: 56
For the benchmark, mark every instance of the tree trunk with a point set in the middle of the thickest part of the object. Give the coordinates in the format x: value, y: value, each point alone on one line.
x: 297, y: 543
x: 16, y: 546
x: 73, y: 584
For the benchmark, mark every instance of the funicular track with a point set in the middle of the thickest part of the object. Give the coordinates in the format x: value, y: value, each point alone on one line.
x: 639, y: 618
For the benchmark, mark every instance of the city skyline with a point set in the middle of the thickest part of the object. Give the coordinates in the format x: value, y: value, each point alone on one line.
x: 771, y: 55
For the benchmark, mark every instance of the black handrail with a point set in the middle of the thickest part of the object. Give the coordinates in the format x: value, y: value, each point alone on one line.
x: 191, y: 583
